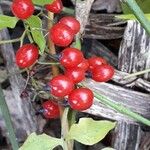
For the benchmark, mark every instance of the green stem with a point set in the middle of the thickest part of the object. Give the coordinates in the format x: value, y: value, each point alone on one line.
x: 48, y: 63
x: 132, y: 4
x: 77, y: 43
x: 120, y: 108
x: 68, y: 11
x: 10, y: 41
x: 137, y: 73
x: 7, y: 118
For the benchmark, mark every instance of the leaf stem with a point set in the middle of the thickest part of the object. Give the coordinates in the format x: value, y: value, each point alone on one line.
x: 120, y: 108
x: 132, y: 4
x: 7, y: 118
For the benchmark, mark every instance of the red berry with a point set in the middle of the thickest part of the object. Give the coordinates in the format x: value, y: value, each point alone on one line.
x: 51, y: 110
x: 81, y: 99
x: 102, y: 73
x: 71, y: 22
x: 27, y: 55
x: 84, y: 65
x: 22, y: 9
x: 61, y: 86
x: 71, y: 57
x: 61, y: 35
x: 96, y: 61
x: 76, y: 75
x: 55, y: 7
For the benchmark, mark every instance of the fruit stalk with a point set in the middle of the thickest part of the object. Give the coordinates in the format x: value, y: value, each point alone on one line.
x: 120, y: 108
x: 7, y: 118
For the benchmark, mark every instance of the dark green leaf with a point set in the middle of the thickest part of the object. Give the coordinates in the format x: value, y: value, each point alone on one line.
x: 40, y: 142
x: 42, y: 2
x: 35, y: 24
x: 89, y: 131
x: 7, y: 21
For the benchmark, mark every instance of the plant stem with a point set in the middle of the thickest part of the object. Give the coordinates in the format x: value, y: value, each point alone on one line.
x: 132, y: 4
x: 65, y: 129
x: 137, y: 73
x: 68, y: 11
x: 10, y: 41
x: 120, y: 108
x: 48, y: 63
x: 7, y: 118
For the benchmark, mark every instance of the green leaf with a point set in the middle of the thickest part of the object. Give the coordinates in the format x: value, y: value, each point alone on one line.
x: 40, y: 142
x: 130, y: 17
x: 89, y: 131
x: 108, y: 148
x: 144, y: 5
x: 7, y: 21
x: 35, y: 24
x: 42, y: 2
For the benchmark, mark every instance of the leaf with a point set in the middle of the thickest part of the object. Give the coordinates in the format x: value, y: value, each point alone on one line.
x: 130, y: 17
x: 89, y: 131
x: 42, y: 2
x: 40, y: 142
x: 108, y: 148
x: 35, y: 24
x: 7, y: 21
x: 144, y: 5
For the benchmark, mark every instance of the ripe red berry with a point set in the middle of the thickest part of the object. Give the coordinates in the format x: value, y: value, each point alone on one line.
x: 71, y: 22
x: 27, y: 55
x: 71, y: 57
x: 96, y: 61
x: 81, y: 99
x: 56, y: 6
x: 51, y: 110
x: 22, y: 9
x: 61, y: 86
x: 102, y: 73
x: 84, y: 65
x: 61, y: 35
x: 76, y: 74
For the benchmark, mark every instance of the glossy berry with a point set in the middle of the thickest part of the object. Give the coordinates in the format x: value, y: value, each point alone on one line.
x: 96, y: 61
x: 61, y: 86
x: 26, y: 55
x: 71, y: 22
x: 71, y: 57
x: 22, y: 9
x: 51, y: 110
x: 102, y: 73
x: 84, y: 65
x: 61, y: 35
x: 81, y: 99
x: 55, y: 7
x: 76, y: 74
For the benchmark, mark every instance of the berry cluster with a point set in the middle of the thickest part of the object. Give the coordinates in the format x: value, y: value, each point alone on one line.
x: 75, y: 65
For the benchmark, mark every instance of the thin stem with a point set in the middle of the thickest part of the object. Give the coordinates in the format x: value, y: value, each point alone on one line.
x: 7, y: 118
x: 120, y: 108
x: 48, y: 63
x: 132, y: 4
x: 10, y: 41
x: 137, y: 73
x: 68, y: 11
